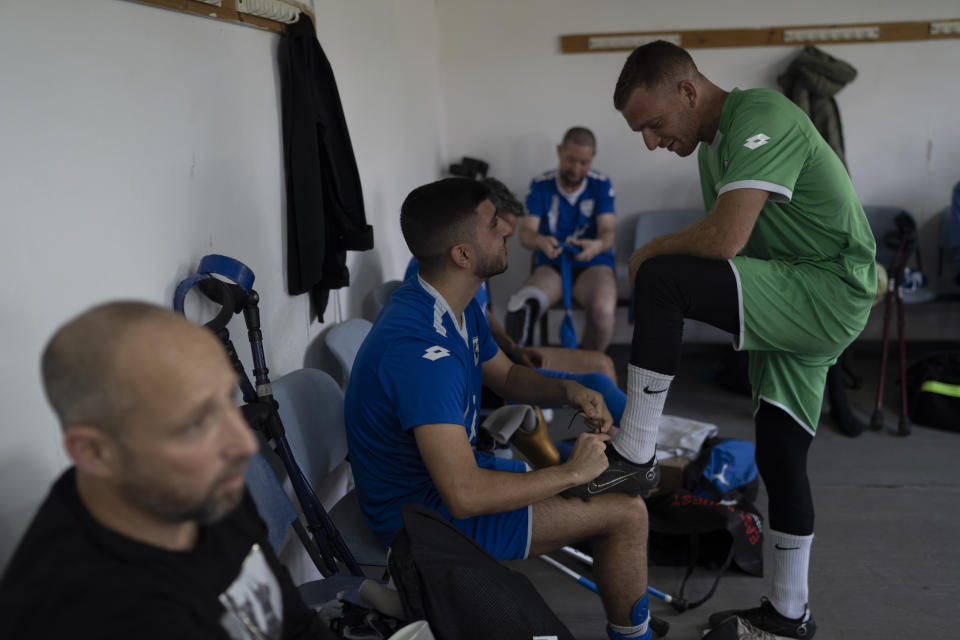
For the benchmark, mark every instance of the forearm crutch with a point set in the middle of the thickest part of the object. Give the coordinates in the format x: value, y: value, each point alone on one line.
x: 660, y: 626
x: 893, y: 296
x: 260, y: 410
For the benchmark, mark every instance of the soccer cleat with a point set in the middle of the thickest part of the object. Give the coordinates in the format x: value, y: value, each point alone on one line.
x: 519, y: 324
x: 767, y: 618
x: 734, y: 628
x: 622, y: 476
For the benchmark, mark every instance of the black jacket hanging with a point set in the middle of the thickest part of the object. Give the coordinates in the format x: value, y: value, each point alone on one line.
x: 325, y: 214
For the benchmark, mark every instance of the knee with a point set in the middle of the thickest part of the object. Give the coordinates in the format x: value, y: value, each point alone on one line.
x: 602, y: 310
x: 629, y: 514
x: 651, y: 268
x: 606, y: 366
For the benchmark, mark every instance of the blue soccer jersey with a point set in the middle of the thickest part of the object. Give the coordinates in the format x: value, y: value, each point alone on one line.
x: 563, y: 215
x: 482, y: 297
x: 415, y: 367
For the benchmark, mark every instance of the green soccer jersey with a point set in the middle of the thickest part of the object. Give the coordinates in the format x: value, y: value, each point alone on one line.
x: 807, y: 274
x: 813, y: 214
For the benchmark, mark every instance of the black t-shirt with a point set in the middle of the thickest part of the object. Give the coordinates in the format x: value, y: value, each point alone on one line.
x: 73, y: 578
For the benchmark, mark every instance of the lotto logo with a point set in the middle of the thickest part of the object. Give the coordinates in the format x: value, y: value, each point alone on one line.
x: 756, y: 141
x: 435, y: 353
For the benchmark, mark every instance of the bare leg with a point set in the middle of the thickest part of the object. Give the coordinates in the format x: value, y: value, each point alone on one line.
x: 596, y: 291
x: 547, y: 280
x: 618, y: 523
x: 576, y: 361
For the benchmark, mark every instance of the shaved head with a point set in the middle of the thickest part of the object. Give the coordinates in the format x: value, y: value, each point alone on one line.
x: 654, y: 66
x: 84, y: 374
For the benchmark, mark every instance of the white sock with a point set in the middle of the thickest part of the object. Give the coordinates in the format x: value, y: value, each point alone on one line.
x: 518, y: 299
x: 646, y: 393
x: 640, y: 632
x: 791, y: 561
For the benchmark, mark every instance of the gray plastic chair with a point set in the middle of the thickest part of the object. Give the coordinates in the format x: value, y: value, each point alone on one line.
x: 653, y: 224
x: 383, y: 292
x: 344, y: 341
x: 311, y: 409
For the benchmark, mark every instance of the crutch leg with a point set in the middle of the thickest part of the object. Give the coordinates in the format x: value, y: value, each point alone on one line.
x: 876, y: 420
x: 903, y: 428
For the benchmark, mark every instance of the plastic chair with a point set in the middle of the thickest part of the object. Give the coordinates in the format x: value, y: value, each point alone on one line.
x: 311, y: 408
x: 382, y: 293
x: 344, y: 341
x: 272, y: 501
x: 652, y: 224
x: 279, y: 514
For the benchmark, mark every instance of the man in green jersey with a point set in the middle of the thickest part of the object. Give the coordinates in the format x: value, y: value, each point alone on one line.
x: 784, y: 261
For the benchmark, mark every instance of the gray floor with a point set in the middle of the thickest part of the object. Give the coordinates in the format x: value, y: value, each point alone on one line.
x: 885, y: 562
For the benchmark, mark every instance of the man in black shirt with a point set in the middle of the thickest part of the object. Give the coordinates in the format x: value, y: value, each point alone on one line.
x: 151, y: 534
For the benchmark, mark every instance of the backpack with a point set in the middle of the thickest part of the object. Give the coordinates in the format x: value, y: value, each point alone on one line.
x: 933, y: 386
x: 724, y: 471
x: 449, y: 580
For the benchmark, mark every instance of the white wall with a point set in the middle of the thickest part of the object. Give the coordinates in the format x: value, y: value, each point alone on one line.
x: 135, y: 140
x: 509, y: 95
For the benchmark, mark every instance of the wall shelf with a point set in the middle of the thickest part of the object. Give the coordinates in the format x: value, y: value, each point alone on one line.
x: 769, y: 36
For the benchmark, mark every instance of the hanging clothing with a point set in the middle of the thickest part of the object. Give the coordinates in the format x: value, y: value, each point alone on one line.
x: 325, y: 214
x: 811, y: 81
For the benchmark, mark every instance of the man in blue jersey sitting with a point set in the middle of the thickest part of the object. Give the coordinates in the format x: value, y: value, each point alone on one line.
x: 413, y: 400
x: 570, y: 209
x: 593, y: 369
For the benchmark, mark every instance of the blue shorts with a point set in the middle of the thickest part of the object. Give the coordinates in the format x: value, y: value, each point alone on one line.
x: 506, y: 535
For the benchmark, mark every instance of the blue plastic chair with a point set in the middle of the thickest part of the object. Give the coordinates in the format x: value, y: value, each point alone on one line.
x: 311, y: 408
x: 344, y: 341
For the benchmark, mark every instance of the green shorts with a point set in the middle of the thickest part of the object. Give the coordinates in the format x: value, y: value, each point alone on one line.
x: 795, y: 319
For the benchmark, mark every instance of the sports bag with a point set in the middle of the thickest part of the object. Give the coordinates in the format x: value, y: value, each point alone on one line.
x: 445, y: 577
x: 933, y: 386
x: 687, y: 529
x: 711, y: 522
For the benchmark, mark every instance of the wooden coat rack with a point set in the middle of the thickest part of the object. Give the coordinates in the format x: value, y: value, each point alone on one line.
x: 226, y: 11
x: 770, y: 36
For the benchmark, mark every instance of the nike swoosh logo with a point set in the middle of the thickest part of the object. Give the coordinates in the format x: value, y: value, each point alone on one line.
x: 785, y: 548
x: 595, y: 487
x: 649, y: 390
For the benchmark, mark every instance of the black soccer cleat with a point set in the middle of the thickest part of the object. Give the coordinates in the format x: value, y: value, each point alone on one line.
x: 734, y: 628
x: 621, y: 476
x: 519, y: 324
x: 767, y: 618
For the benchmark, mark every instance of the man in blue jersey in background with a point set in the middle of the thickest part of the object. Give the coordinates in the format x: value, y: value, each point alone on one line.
x: 412, y: 413
x: 571, y: 206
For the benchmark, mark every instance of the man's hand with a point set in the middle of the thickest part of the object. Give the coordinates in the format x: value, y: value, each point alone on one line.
x: 534, y: 356
x: 591, y: 405
x: 589, y: 248
x: 588, y: 459
x: 549, y: 246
